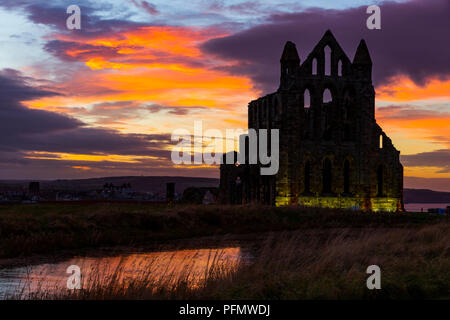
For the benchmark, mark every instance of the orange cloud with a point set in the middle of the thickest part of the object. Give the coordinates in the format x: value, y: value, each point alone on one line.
x: 417, y: 129
x: 82, y: 168
x: 425, y: 172
x: 141, y: 47
x: 86, y: 157
x: 158, y: 64
x: 403, y: 89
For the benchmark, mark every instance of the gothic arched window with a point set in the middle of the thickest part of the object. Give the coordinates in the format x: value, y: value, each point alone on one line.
x: 314, y: 66
x: 327, y: 96
x: 306, y: 99
x: 327, y: 52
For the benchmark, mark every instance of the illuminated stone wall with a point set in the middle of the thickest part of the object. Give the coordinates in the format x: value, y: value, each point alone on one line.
x: 354, y: 203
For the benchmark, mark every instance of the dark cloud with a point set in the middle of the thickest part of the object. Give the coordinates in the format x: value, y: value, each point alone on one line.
x: 413, y: 40
x: 119, y: 112
x: 93, y: 23
x: 18, y: 120
x: 54, y: 16
x: 438, y: 184
x: 14, y: 87
x: 20, y: 167
x: 174, y: 110
x: 147, y: 6
x: 442, y: 139
x: 23, y: 129
x: 85, y: 140
x: 409, y: 113
x: 84, y: 51
x: 243, y: 8
x: 438, y: 158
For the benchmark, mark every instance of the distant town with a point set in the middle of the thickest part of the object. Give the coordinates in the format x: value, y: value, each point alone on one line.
x: 157, y: 190
x: 160, y: 192
x: 109, y: 192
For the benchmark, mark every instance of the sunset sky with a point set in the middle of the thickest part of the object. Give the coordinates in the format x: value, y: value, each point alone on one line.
x: 104, y: 100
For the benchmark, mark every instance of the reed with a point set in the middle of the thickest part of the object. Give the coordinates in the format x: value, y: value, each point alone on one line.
x: 47, y: 229
x: 302, y: 264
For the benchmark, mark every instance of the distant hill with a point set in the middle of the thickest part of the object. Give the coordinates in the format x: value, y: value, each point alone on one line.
x: 425, y: 196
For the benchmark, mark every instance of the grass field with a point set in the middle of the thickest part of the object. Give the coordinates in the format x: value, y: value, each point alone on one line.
x: 49, y: 228
x: 302, y: 264
x: 307, y: 253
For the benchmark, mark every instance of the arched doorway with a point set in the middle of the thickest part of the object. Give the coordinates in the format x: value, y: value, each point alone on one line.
x: 346, y: 177
x: 380, y: 180
x: 307, y: 177
x: 326, y: 176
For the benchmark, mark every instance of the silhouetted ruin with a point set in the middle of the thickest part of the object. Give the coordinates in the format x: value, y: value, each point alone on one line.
x: 332, y: 152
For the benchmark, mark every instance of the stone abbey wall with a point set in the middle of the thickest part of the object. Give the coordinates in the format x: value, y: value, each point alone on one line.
x: 332, y: 152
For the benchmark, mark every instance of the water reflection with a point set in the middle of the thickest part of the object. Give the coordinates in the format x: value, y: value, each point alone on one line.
x: 163, y: 267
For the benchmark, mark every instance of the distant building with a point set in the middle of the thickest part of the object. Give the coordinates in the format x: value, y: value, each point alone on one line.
x: 122, y: 192
x: 34, y: 190
x: 200, y: 195
x: 209, y: 197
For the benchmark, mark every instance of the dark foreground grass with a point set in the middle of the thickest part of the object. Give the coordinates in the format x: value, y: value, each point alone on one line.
x: 303, y: 264
x: 49, y: 228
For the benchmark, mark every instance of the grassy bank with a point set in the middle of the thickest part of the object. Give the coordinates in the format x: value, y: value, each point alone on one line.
x: 307, y: 264
x: 42, y: 229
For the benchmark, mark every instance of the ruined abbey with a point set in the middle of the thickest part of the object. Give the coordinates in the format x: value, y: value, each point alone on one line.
x: 332, y: 152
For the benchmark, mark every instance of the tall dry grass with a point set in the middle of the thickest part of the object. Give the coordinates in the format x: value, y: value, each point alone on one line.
x: 304, y: 264
x: 132, y: 276
x: 46, y: 229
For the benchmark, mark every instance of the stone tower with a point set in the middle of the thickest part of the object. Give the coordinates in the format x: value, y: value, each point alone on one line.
x: 332, y: 151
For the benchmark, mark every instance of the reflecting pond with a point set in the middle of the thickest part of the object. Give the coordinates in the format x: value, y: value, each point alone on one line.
x: 191, y: 266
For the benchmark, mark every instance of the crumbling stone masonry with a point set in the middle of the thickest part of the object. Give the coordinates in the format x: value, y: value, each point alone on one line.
x: 332, y: 151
